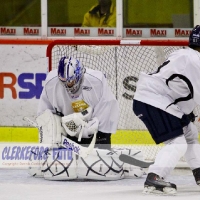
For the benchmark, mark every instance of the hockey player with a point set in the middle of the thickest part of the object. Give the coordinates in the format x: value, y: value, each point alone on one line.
x: 164, y: 100
x: 78, y: 103
x: 72, y: 89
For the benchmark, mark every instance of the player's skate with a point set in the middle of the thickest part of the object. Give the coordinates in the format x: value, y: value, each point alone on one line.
x: 155, y: 184
x: 196, y: 173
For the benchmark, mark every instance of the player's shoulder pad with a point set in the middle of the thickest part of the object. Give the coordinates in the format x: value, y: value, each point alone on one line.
x: 52, y: 75
x: 180, y: 54
x: 96, y: 74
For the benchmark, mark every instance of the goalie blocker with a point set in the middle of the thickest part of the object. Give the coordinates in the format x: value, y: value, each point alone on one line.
x: 67, y: 162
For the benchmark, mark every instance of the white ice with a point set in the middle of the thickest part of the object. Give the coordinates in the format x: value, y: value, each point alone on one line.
x: 16, y: 184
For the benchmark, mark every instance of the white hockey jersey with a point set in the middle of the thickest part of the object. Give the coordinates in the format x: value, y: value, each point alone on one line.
x: 95, y: 93
x: 175, y: 86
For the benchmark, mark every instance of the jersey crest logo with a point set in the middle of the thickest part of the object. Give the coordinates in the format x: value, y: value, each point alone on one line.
x: 79, y: 105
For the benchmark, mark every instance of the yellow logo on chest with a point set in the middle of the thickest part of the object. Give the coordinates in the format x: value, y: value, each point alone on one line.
x: 79, y: 105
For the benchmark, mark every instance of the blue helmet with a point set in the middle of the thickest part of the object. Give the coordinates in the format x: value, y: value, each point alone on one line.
x: 70, y: 73
x: 194, y: 39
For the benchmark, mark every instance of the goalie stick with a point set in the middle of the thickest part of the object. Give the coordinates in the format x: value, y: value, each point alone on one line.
x: 133, y: 161
x: 77, y: 148
x: 32, y: 123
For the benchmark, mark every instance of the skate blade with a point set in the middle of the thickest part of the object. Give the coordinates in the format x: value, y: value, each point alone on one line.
x: 166, y: 191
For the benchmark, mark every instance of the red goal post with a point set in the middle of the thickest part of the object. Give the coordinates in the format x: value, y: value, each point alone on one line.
x: 121, y: 61
x: 147, y: 42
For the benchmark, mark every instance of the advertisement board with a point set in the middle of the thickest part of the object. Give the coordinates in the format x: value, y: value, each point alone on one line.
x: 22, y: 75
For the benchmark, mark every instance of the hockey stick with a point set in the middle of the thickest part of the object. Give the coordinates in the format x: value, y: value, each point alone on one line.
x: 32, y: 123
x: 133, y: 161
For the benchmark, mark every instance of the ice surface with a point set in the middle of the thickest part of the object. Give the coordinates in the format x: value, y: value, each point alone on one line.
x: 16, y: 184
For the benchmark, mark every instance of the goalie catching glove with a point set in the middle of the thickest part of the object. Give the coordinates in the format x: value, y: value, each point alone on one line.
x: 75, y: 126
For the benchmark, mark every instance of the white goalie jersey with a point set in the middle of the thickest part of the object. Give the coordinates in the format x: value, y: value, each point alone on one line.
x: 94, y: 93
x: 175, y: 86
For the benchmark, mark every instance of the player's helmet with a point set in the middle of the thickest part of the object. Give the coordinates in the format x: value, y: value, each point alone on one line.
x: 70, y: 73
x: 194, y: 39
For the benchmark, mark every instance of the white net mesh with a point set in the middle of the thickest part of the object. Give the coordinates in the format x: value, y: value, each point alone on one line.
x: 121, y: 65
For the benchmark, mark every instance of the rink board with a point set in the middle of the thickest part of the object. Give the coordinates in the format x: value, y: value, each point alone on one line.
x: 27, y: 134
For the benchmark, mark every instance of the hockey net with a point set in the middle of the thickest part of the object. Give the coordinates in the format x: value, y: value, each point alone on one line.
x: 121, y: 61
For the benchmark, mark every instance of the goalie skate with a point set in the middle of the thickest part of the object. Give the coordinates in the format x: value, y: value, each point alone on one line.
x: 156, y: 185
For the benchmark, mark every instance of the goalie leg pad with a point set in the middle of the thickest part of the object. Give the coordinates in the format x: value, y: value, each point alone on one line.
x: 60, y: 165
x: 100, y: 165
x: 50, y: 128
x: 131, y: 171
x: 36, y: 159
x: 35, y: 169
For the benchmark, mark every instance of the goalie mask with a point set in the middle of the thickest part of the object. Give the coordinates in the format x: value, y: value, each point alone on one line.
x: 70, y: 73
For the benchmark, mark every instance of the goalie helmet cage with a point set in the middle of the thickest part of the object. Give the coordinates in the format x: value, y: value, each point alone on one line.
x: 121, y: 61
